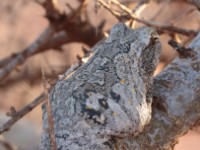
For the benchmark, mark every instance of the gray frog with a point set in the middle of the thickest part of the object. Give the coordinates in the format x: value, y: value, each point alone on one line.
x: 107, y: 98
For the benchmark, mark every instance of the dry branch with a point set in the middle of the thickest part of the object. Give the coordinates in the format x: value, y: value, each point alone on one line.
x: 136, y: 11
x: 21, y: 57
x: 47, y: 42
x: 176, y: 102
x: 158, y: 26
x: 19, y: 114
x: 49, y: 113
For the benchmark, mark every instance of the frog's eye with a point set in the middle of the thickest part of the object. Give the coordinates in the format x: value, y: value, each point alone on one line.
x: 154, y: 39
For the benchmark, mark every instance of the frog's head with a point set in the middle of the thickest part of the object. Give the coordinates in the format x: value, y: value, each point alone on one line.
x: 143, y: 44
x: 148, y: 48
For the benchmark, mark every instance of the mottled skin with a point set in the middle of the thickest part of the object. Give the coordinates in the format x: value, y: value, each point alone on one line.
x: 110, y: 96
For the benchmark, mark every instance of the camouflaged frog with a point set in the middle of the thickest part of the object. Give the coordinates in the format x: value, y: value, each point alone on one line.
x: 109, y: 97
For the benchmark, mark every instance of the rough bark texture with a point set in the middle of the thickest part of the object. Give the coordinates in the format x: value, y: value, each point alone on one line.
x: 109, y: 98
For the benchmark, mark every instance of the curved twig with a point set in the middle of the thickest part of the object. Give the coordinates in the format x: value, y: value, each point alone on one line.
x: 165, y: 28
x: 18, y: 115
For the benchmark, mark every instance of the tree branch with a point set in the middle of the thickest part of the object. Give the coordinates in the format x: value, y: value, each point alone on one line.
x: 18, y: 115
x: 158, y: 26
x: 19, y: 58
x: 176, y: 105
x: 49, y: 113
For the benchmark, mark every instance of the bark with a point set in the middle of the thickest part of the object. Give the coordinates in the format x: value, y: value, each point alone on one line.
x: 176, y: 105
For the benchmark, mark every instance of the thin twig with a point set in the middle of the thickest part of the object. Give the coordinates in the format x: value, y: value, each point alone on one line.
x: 21, y: 57
x: 21, y: 113
x: 137, y: 11
x: 113, y: 12
x: 166, y: 28
x: 156, y: 24
x: 45, y: 41
x: 49, y: 113
x: 55, y: 42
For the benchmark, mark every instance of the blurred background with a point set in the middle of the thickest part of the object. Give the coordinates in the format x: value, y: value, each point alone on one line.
x: 22, y: 21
